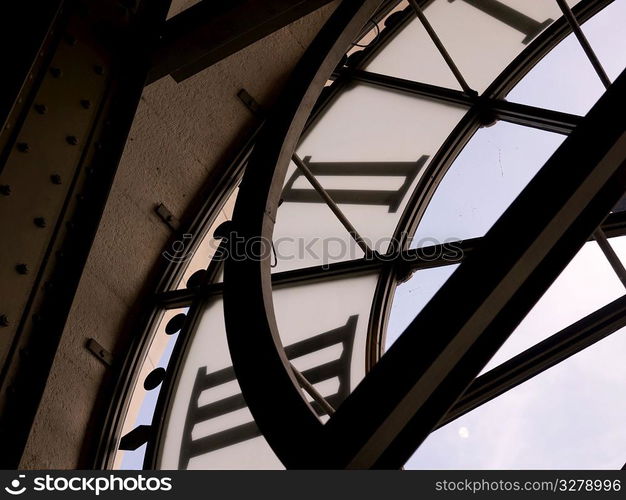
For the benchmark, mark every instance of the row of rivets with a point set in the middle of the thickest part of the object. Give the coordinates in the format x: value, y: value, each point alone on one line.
x: 24, y: 147
x: 5, y: 189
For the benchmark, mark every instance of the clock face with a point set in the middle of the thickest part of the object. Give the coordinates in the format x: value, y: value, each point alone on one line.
x: 399, y: 176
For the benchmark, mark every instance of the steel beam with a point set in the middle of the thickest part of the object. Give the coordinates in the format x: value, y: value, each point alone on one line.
x: 210, y: 31
x: 540, y: 357
x: 59, y: 157
x: 23, y: 49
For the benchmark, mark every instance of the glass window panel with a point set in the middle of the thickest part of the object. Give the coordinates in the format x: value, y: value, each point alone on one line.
x: 481, y: 41
x: 207, y: 364
x: 412, y: 55
x: 309, y: 234
x: 605, y: 32
x: 337, y: 311
x: 564, y: 79
x: 483, y: 181
x: 303, y: 312
x: 569, y: 417
x: 411, y: 297
x: 585, y: 285
x: 619, y: 245
x: 200, y: 257
x: 369, y: 142
x: 143, y: 402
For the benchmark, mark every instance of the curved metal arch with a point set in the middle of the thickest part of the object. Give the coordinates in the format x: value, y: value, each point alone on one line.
x: 276, y: 408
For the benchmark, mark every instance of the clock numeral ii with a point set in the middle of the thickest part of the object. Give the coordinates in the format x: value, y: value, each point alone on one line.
x: 197, y: 414
x: 392, y: 199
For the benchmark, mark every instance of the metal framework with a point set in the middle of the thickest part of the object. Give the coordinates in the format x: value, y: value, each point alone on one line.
x: 73, y: 87
x: 208, y: 31
x: 401, y: 416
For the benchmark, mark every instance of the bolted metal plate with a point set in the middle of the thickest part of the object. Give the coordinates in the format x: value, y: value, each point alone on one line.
x: 42, y: 168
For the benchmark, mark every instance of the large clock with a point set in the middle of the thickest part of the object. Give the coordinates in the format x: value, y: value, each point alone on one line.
x: 411, y: 153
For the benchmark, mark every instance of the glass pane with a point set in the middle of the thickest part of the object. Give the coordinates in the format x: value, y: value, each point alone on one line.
x: 585, y: 285
x: 337, y: 313
x: 605, y: 32
x: 196, y: 423
x: 200, y: 257
x: 411, y: 297
x: 368, y: 151
x: 412, y: 55
x: 143, y: 400
x: 202, y: 434
x: 483, y: 37
x: 564, y: 79
x: 483, y: 181
x: 569, y: 417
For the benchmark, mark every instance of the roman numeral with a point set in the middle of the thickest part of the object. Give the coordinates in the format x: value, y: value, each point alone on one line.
x: 196, y: 414
x: 392, y: 199
x: 511, y: 17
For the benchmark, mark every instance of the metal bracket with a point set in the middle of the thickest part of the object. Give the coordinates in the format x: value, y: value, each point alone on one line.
x: 250, y: 102
x: 100, y: 352
x: 166, y: 216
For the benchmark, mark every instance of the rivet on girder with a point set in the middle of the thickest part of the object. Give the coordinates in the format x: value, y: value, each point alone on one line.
x: 56, y: 72
x: 55, y: 179
x: 4, y: 321
x: 85, y: 103
x: 100, y: 352
x: 5, y: 190
x: 42, y: 109
x: 72, y: 140
x: 21, y: 268
x: 39, y: 222
x: 23, y: 147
